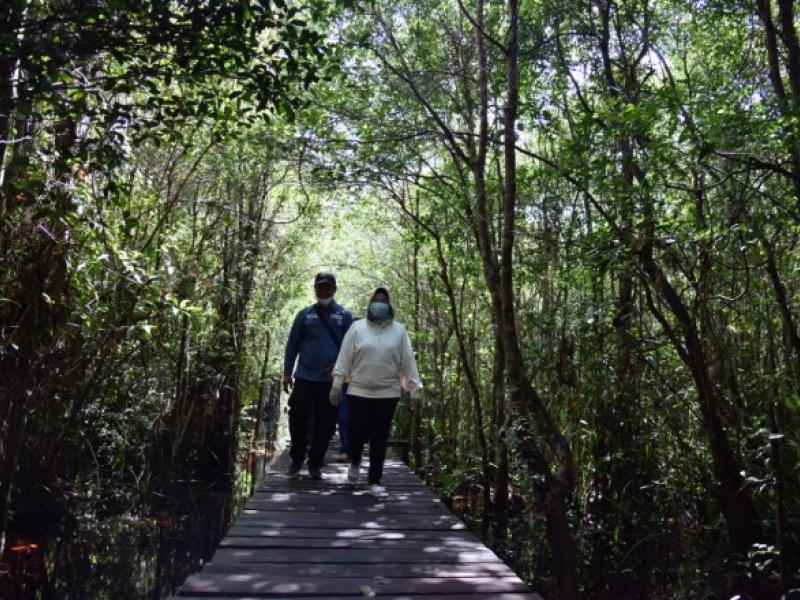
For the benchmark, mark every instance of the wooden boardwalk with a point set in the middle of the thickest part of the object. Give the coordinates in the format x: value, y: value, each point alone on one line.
x: 298, y: 538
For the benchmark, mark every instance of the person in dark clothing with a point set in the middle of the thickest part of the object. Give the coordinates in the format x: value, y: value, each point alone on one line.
x: 315, y: 338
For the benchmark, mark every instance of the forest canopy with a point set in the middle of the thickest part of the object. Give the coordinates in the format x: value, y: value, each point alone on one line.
x: 588, y: 216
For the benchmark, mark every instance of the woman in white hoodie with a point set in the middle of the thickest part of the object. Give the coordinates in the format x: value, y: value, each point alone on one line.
x: 377, y: 357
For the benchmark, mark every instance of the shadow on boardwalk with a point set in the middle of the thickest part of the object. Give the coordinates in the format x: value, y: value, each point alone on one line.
x: 299, y: 538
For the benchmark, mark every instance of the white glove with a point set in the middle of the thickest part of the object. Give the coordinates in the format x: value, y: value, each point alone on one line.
x: 335, y: 396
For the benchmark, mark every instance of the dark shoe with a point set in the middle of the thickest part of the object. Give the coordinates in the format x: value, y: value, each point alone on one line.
x: 314, y: 473
x: 294, y: 468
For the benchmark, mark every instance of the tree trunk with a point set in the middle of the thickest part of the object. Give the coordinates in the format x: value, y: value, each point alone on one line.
x: 416, y: 422
x: 524, y: 397
x: 501, y: 487
x: 736, y: 505
x: 262, y: 394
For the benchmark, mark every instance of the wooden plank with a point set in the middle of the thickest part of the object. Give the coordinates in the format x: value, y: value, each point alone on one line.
x: 361, y: 501
x: 388, y: 508
x: 232, y: 541
x: 472, y: 596
x: 332, y: 490
x: 303, y: 538
x: 345, y: 495
x: 363, y: 534
x: 366, y: 570
x: 338, y: 467
x: 388, y: 468
x: 287, y: 519
x: 352, y: 555
x: 342, y: 484
x: 341, y: 470
x: 478, y: 596
x: 349, y: 495
x: 341, y: 476
x: 324, y: 488
x: 342, y: 490
x: 265, y: 585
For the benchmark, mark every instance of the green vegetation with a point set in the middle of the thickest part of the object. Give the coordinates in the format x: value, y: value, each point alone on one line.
x: 587, y: 212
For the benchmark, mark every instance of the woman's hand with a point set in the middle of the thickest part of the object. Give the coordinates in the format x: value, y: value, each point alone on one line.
x: 335, y: 395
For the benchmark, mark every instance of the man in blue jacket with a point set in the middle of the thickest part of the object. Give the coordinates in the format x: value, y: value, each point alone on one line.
x: 316, y: 337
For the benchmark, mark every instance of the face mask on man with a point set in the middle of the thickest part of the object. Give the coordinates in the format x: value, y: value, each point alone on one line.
x: 325, y: 301
x: 378, y: 310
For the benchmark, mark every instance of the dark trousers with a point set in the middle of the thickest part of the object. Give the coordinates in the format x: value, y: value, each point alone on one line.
x: 370, y: 419
x: 309, y: 404
x: 344, y: 426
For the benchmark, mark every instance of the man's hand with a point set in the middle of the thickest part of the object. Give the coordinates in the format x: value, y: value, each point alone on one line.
x: 288, y: 382
x: 335, y: 396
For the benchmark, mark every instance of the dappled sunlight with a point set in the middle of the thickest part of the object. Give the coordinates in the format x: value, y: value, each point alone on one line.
x: 347, y: 543
x: 545, y: 253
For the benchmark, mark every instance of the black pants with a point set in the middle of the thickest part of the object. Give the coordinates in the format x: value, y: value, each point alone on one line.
x: 370, y: 419
x: 309, y: 404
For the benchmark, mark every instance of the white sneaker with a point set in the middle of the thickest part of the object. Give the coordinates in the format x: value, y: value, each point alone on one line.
x: 377, y: 490
x: 353, y: 473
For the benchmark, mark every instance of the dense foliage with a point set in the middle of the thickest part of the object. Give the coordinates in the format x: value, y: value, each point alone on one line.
x: 587, y: 212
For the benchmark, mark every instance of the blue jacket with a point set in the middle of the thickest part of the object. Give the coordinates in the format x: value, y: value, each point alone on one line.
x: 313, y: 343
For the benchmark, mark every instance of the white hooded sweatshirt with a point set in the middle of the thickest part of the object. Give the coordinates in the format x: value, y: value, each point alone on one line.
x: 378, y: 359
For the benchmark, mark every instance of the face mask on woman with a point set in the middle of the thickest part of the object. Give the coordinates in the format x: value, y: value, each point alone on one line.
x: 378, y: 310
